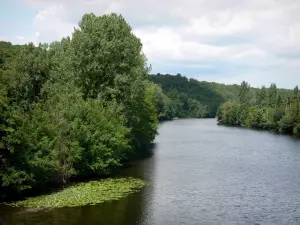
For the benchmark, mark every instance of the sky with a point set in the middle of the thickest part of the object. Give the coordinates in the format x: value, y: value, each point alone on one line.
x: 225, y: 41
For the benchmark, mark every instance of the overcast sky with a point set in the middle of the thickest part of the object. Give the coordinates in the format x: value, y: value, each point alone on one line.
x: 225, y: 41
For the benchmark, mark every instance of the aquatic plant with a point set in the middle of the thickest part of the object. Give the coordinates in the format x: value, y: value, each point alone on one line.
x: 90, y: 193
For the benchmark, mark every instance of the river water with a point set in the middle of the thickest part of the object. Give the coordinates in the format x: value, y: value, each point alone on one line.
x: 199, y: 173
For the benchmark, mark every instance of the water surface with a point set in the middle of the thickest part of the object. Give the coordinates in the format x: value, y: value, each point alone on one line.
x: 199, y: 173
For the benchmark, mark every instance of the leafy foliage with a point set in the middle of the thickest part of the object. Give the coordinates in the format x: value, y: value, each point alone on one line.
x: 74, y: 107
x: 273, y: 109
x: 180, y: 91
x: 187, y: 97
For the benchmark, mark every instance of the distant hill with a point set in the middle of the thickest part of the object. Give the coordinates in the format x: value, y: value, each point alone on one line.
x: 210, y: 94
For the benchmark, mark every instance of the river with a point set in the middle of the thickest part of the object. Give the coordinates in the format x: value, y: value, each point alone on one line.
x: 199, y: 173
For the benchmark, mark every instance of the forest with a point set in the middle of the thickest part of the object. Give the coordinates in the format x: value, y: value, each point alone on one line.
x: 192, y: 98
x: 268, y: 109
x: 182, y: 91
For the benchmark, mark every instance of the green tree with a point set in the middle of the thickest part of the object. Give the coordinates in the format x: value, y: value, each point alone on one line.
x: 272, y: 95
x: 270, y: 112
x: 244, y: 93
x: 286, y: 124
x: 253, y: 117
x: 296, y: 94
x: 109, y: 64
x: 229, y: 113
x: 196, y: 109
x: 261, y: 97
x: 106, y: 57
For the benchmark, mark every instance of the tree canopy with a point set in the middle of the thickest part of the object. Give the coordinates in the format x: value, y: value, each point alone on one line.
x: 181, y: 91
x: 75, y: 107
x: 271, y: 109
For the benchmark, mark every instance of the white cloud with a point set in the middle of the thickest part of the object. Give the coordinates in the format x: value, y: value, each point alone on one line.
x: 51, y: 25
x: 160, y: 44
x: 250, y: 54
x: 261, y: 34
x: 221, y: 23
x: 4, y: 38
x: 20, y: 37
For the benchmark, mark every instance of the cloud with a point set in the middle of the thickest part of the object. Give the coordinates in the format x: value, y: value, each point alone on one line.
x: 222, y: 40
x: 51, y: 24
x: 20, y: 38
x: 4, y: 38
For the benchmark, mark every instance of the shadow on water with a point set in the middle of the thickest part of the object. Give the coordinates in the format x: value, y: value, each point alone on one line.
x: 127, y: 211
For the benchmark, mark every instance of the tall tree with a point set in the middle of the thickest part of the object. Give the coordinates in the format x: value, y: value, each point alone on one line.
x: 272, y: 95
x: 261, y: 97
x: 109, y: 64
x: 244, y: 93
x: 107, y: 56
x: 296, y: 94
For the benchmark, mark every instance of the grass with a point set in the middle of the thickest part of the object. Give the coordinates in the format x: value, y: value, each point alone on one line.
x: 90, y: 193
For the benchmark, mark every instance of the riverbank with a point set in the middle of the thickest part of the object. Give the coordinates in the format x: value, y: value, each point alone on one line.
x: 284, y: 120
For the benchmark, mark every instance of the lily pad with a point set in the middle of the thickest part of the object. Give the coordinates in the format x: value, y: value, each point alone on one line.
x: 90, y: 193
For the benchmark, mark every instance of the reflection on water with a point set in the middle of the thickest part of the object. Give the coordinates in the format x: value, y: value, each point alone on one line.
x: 199, y: 173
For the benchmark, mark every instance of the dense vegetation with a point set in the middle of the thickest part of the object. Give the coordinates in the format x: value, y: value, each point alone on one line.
x: 76, y: 107
x: 183, y: 94
x: 193, y: 98
x: 269, y: 109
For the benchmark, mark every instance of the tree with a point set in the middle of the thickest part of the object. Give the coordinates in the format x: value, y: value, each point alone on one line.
x: 279, y: 101
x: 274, y: 114
x: 286, y: 124
x: 196, y: 109
x: 253, y: 117
x: 229, y: 113
x: 261, y: 97
x: 244, y: 93
x: 296, y: 94
x: 272, y: 95
x: 106, y: 57
x: 109, y: 64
